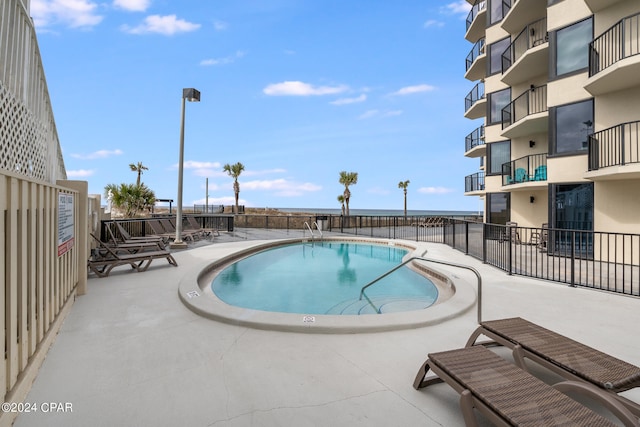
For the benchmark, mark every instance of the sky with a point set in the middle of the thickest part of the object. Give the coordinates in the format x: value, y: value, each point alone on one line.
x: 295, y: 90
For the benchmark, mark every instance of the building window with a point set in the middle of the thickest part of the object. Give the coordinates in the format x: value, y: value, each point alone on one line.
x: 496, y: 11
x: 572, y: 209
x: 495, y: 55
x: 497, y: 101
x: 498, y: 209
x: 570, y: 47
x: 570, y: 126
x: 498, y: 153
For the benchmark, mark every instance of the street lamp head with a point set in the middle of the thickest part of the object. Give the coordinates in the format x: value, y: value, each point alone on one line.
x: 191, y: 94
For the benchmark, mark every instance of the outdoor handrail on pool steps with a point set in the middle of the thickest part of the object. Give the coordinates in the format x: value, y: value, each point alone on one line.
x: 419, y: 258
x: 306, y: 223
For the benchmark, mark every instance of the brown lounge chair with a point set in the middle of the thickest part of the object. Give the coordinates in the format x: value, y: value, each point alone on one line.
x: 205, y: 232
x: 564, y: 356
x: 509, y: 396
x: 128, y: 238
x: 102, y: 265
x: 133, y: 245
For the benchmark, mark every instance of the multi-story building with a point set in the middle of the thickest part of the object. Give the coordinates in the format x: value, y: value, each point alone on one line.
x: 557, y: 105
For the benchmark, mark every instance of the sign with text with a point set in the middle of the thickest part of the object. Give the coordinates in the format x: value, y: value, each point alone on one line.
x: 66, y: 237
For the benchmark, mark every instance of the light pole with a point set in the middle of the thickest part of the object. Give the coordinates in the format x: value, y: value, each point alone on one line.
x: 191, y: 95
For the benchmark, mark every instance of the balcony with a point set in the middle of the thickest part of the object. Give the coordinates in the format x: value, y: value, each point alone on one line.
x: 521, y: 13
x: 474, y: 143
x: 476, y: 21
x: 476, y: 62
x: 598, y: 5
x: 528, y: 54
x: 614, y: 60
x: 474, y: 184
x: 475, y: 103
x: 526, y: 173
x: 614, y: 153
x: 527, y: 114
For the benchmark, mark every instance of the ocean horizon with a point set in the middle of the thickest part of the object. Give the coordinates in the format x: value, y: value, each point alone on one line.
x: 381, y: 212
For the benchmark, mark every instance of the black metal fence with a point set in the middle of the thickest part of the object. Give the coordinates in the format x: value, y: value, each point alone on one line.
x: 600, y: 260
x: 532, y: 101
x: 620, y: 41
x: 616, y: 146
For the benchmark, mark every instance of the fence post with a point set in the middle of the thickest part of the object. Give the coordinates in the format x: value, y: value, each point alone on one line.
x: 466, y: 238
x: 573, y: 259
x: 510, y: 239
x: 484, y: 242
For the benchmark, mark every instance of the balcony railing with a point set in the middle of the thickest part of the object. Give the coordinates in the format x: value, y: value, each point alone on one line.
x: 525, y: 169
x: 476, y: 94
x: 478, y: 7
x: 619, y: 145
x: 474, y: 139
x: 533, y: 35
x: 617, y: 43
x: 477, y: 50
x: 474, y: 182
x: 531, y: 102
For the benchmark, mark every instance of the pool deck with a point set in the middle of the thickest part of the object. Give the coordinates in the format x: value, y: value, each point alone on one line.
x: 130, y: 353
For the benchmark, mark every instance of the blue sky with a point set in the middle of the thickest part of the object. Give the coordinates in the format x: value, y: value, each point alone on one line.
x: 295, y: 90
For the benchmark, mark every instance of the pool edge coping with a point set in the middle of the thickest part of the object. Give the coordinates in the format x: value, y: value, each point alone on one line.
x: 206, y: 304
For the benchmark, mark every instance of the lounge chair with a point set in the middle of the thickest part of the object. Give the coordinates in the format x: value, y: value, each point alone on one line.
x: 206, y: 232
x: 128, y: 238
x: 564, y: 356
x: 101, y: 263
x: 540, y: 174
x: 141, y: 244
x: 170, y: 228
x: 509, y: 396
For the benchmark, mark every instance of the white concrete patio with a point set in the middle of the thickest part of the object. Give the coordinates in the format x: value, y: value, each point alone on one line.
x: 131, y: 354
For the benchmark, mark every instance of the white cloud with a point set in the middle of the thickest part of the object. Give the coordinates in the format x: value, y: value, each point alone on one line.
x: 459, y: 7
x: 74, y: 13
x: 433, y: 23
x: 132, y: 5
x: 100, y: 154
x: 167, y: 25
x: 222, y: 61
x: 435, y: 190
x: 281, y: 187
x: 80, y: 173
x: 297, y: 88
x: 379, y: 114
x: 408, y: 90
x: 345, y: 101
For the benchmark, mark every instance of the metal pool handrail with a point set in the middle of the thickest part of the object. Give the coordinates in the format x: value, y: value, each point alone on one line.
x: 306, y: 223
x: 451, y: 264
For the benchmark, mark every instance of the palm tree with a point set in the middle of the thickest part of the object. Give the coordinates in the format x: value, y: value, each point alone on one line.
x: 234, y: 172
x: 341, y: 201
x: 138, y: 168
x: 404, y: 185
x: 347, y: 179
x: 130, y: 198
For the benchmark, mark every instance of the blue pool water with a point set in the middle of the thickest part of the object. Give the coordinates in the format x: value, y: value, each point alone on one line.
x: 324, y: 278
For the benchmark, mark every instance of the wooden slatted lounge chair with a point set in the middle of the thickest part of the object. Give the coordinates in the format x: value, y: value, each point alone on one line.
x: 159, y: 231
x: 564, y: 356
x: 128, y: 238
x: 102, y: 265
x: 170, y: 228
x: 134, y: 244
x: 509, y: 396
x: 207, y: 232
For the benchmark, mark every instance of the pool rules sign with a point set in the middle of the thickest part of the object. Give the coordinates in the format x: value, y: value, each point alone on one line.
x: 66, y: 237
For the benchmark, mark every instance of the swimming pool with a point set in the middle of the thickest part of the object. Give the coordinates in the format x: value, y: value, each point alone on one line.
x: 455, y: 295
x: 324, y: 278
